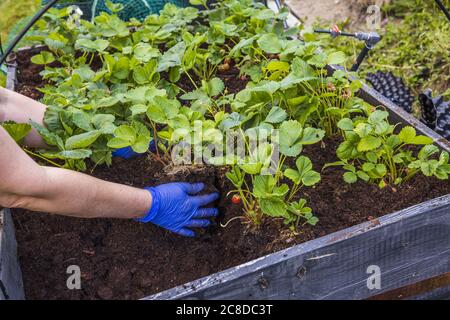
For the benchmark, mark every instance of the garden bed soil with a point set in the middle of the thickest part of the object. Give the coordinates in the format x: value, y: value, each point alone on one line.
x: 127, y: 260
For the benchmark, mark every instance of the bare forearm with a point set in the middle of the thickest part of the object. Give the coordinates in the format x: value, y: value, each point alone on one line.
x: 74, y: 194
x: 18, y: 108
x: 25, y: 184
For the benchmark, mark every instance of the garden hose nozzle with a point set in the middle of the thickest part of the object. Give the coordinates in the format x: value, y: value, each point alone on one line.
x: 370, y: 39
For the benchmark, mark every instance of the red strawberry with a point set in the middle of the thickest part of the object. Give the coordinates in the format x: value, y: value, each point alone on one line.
x: 236, y: 199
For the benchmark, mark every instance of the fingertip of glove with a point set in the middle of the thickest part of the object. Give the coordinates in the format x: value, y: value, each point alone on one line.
x: 186, y: 233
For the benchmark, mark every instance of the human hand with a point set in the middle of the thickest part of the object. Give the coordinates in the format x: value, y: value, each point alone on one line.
x: 176, y: 207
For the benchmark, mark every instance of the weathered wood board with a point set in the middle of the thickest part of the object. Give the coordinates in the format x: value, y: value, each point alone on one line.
x: 11, y: 286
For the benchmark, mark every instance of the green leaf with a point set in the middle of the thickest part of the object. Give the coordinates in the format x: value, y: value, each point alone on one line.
x: 146, y: 74
x: 338, y: 57
x: 273, y: 207
x: 114, y: 7
x: 372, y: 157
x: 124, y: 136
x: 363, y: 129
x: 104, y: 123
x: 369, y: 143
x: 311, y: 178
x: 172, y: 57
x: 270, y: 43
x: 82, y: 120
x: 141, y: 144
x: 118, y: 143
x: 56, y: 41
x: 350, y: 177
x: 215, y: 87
x: 368, y: 166
x: 293, y: 175
x: 381, y: 169
x: 408, y: 135
x: 179, y: 121
x: 163, y: 109
x: 290, y: 133
x: 275, y: 65
x: 196, y: 2
x: 378, y: 116
x: 363, y: 176
x: 302, y: 70
x: 231, y: 121
x: 276, y: 115
x: 145, y: 52
x: 345, y: 124
x: 106, y: 102
x: 263, y: 186
x: 443, y: 158
x: 49, y: 137
x: 427, y: 151
x: 99, y: 45
x: 311, y: 136
x: 304, y: 173
x: 43, y: 58
x: 347, y: 150
x: 17, y: 131
x: 428, y: 168
x: 121, y: 68
x: 138, y: 109
x: 422, y: 140
x: 319, y: 60
x: 75, y: 154
x: 83, y: 140
x: 251, y: 168
x: 269, y: 87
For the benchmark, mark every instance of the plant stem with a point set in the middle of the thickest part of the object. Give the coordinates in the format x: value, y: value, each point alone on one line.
x: 42, y: 158
x: 190, y: 78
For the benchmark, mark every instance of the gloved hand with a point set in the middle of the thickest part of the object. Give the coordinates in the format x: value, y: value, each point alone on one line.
x: 177, y: 208
x: 128, y: 153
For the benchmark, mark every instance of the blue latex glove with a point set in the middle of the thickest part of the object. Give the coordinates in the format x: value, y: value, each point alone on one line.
x: 128, y: 153
x: 177, y: 208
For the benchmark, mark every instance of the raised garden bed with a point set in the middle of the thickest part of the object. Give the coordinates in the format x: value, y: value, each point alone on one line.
x: 122, y: 259
x: 405, y: 232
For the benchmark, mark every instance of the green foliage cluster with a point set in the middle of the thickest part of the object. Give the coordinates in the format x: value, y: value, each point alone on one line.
x: 118, y: 84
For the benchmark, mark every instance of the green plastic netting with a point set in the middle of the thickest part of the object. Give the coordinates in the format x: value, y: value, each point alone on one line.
x: 138, y: 9
x: 85, y: 6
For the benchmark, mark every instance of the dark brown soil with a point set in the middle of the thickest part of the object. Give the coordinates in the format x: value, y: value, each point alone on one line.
x: 28, y: 76
x: 128, y: 260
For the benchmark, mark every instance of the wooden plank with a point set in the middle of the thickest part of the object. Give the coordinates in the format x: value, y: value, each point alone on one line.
x: 409, y: 246
x: 11, y: 285
x: 416, y: 289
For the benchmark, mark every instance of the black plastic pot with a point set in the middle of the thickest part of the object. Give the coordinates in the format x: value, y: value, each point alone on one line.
x: 410, y: 247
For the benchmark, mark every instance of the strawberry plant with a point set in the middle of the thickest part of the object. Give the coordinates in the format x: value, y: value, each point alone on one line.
x: 374, y: 153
